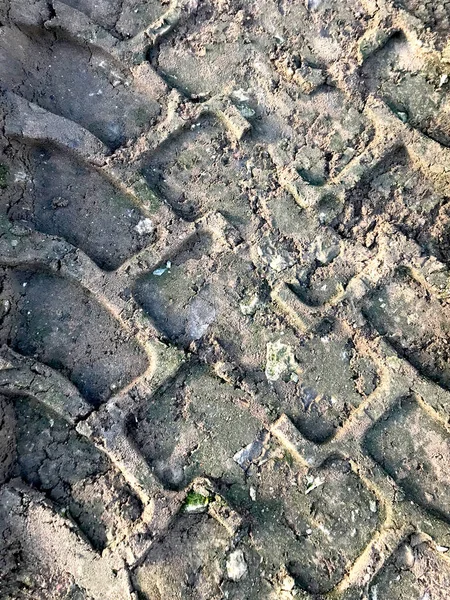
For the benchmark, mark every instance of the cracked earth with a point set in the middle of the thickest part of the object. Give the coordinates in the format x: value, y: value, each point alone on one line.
x: 224, y: 312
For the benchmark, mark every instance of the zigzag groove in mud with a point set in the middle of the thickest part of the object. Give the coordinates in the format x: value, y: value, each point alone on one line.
x: 224, y: 289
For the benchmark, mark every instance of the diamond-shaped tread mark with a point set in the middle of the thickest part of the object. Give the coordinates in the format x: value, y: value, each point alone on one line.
x: 198, y: 170
x: 410, y: 83
x: 416, y: 325
x: 393, y: 192
x: 413, y: 447
x: 416, y: 571
x: 317, y: 524
x: 334, y: 378
x: 194, y: 428
x: 177, y: 296
x: 186, y: 563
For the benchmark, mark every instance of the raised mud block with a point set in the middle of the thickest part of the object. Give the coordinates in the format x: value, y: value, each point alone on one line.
x: 78, y: 477
x: 195, y: 428
x: 417, y: 570
x: 64, y: 327
x: 67, y: 198
x: 416, y: 325
x: 318, y: 526
x: 72, y: 81
x: 43, y: 557
x: 187, y: 563
x: 197, y: 169
x: 413, y: 447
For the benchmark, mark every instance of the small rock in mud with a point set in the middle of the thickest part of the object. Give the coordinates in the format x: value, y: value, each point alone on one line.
x: 236, y: 565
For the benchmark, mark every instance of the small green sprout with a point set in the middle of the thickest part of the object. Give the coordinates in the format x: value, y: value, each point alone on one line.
x: 195, y: 502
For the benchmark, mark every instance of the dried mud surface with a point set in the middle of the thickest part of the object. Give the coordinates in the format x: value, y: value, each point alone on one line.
x: 224, y: 300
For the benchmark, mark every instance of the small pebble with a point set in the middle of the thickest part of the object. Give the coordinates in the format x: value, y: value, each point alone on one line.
x: 405, y: 557
x: 236, y: 565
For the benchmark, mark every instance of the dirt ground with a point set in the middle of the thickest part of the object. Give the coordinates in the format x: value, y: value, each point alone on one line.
x: 224, y: 310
